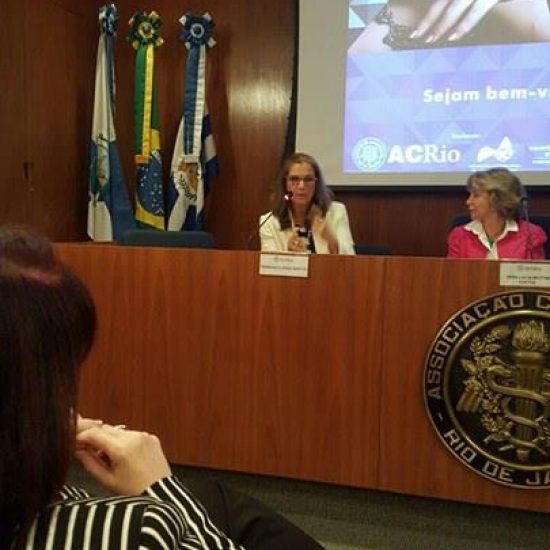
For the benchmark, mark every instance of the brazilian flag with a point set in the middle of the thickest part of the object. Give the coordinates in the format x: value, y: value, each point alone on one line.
x: 144, y: 39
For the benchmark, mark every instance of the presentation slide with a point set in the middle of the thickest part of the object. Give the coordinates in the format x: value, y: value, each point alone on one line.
x: 427, y: 91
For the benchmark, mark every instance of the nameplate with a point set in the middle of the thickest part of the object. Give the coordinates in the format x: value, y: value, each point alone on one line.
x: 284, y: 265
x: 536, y: 274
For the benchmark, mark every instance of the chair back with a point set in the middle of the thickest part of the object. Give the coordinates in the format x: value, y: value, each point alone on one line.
x: 460, y: 219
x: 173, y: 239
x: 373, y: 249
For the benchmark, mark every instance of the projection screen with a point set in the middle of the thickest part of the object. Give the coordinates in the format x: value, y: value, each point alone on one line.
x: 380, y: 105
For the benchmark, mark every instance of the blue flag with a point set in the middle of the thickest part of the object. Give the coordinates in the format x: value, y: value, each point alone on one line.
x: 194, y: 162
x: 109, y: 209
x: 186, y: 191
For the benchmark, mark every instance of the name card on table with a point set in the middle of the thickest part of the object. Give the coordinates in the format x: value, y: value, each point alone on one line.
x: 535, y: 274
x: 284, y: 265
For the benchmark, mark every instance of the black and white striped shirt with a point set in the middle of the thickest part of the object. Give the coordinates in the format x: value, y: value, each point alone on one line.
x: 165, y: 517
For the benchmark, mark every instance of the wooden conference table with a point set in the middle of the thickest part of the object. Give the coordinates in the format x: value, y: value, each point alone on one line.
x: 317, y: 379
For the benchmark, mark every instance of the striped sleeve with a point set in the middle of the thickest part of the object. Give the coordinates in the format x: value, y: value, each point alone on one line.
x: 69, y: 492
x: 197, y: 528
x: 166, y: 517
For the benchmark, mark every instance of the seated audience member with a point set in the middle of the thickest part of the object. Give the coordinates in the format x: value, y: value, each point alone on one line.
x: 496, y: 231
x: 304, y: 218
x: 47, y: 327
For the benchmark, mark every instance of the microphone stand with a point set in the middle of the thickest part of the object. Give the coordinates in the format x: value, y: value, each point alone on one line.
x: 256, y: 231
x: 525, y: 209
x: 287, y: 198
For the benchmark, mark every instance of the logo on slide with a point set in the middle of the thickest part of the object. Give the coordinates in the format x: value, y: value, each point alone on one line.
x: 503, y: 153
x: 369, y: 154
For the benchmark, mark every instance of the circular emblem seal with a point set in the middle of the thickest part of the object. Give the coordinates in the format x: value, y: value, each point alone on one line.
x: 369, y: 154
x: 487, y: 387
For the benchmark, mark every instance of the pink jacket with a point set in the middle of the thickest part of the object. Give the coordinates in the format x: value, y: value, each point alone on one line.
x: 519, y: 244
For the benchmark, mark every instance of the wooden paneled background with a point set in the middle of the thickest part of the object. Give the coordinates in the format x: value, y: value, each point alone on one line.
x: 287, y: 378
x: 47, y: 62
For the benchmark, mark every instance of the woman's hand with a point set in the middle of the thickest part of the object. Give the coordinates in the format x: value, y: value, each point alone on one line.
x: 296, y: 243
x: 124, y: 461
x: 319, y: 225
x: 452, y: 18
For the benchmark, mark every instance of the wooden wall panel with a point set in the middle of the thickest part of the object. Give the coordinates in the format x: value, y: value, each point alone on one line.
x: 249, y: 86
x: 47, y: 60
x: 413, y: 460
x: 248, y: 91
x: 414, y: 223
x: 62, y: 46
x: 233, y: 370
x: 317, y: 378
x: 13, y: 114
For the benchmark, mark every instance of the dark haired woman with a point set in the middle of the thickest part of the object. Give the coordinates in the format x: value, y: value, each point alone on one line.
x: 47, y: 326
x: 304, y: 218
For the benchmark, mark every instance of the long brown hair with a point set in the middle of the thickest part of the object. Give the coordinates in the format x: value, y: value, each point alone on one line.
x: 47, y: 326
x: 322, y: 196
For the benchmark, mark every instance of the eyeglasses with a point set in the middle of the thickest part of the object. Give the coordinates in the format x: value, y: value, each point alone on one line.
x: 295, y: 180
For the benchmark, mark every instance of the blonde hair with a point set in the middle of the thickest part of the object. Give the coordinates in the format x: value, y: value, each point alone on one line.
x: 504, y: 188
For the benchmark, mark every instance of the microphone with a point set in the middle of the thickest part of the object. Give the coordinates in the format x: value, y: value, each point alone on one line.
x: 287, y: 197
x: 523, y: 195
x: 525, y: 212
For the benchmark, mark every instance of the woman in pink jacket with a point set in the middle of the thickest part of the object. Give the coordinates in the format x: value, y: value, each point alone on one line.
x: 496, y: 231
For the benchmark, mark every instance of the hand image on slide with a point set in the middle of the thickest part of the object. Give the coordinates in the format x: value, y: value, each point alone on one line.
x: 408, y: 24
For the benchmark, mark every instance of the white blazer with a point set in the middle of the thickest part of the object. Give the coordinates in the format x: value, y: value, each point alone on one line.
x: 273, y: 239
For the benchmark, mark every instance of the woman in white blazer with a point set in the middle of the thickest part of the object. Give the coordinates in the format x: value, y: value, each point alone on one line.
x: 304, y: 218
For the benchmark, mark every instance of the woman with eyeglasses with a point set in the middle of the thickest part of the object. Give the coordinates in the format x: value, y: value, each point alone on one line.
x: 304, y: 217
